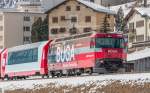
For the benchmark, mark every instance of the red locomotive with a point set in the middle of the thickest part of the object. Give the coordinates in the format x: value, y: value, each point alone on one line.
x: 89, y: 52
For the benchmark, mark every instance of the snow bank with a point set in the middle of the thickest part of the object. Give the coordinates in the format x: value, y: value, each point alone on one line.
x: 75, y: 81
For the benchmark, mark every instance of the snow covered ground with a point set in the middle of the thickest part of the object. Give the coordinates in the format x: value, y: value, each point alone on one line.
x: 75, y: 81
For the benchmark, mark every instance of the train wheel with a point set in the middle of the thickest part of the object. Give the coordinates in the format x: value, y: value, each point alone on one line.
x: 52, y: 74
x: 59, y: 75
x: 6, y: 77
x: 24, y: 77
x: 2, y: 78
x: 90, y: 72
x: 43, y: 76
x: 47, y: 76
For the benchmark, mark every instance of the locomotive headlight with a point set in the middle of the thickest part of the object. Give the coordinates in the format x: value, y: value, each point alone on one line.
x: 124, y: 61
x: 101, y: 61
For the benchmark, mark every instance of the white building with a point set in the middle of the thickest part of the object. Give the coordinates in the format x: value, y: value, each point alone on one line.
x: 139, y: 28
x: 16, y: 24
x: 15, y: 27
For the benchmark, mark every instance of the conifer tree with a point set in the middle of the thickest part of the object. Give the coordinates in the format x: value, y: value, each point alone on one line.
x: 120, y: 22
x: 43, y: 33
x: 105, y: 25
x: 39, y: 30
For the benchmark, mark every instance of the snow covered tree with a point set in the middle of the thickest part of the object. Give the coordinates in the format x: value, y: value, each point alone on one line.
x: 40, y: 30
x: 105, y: 25
x: 120, y: 22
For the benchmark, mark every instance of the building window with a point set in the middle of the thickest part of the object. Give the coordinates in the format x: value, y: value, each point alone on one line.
x: 139, y: 38
x: 55, y: 19
x: 1, y: 18
x: 140, y: 23
x: 149, y: 25
x: 26, y: 18
x: 26, y: 28
x: 68, y: 8
x: 1, y: 38
x: 26, y: 38
x: 54, y: 30
x: 62, y: 30
x: 88, y: 29
x: 131, y: 39
x: 131, y: 26
x: 1, y: 47
x: 1, y: 28
x: 88, y: 19
x: 78, y: 8
x: 62, y: 18
x: 74, y: 19
x: 73, y: 30
x: 108, y: 16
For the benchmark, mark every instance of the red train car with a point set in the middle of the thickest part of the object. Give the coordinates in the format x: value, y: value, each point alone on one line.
x: 0, y: 59
x: 89, y: 52
x: 24, y: 60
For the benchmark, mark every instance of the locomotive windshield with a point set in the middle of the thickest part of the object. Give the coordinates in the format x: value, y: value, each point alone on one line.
x: 109, y: 43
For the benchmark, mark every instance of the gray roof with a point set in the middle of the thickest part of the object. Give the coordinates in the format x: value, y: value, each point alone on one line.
x: 97, y: 7
x: 143, y: 11
x: 94, y: 6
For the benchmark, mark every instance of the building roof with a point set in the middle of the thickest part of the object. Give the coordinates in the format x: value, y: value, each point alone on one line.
x: 12, y: 10
x: 143, y: 11
x: 139, y: 55
x: 93, y: 6
x: 126, y: 7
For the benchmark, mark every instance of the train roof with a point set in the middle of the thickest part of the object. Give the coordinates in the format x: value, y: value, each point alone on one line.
x: 90, y: 34
x: 27, y: 46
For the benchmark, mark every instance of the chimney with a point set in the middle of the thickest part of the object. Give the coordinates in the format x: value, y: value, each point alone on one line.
x: 145, y: 3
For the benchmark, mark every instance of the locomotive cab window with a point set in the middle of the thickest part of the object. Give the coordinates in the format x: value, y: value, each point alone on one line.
x: 109, y: 43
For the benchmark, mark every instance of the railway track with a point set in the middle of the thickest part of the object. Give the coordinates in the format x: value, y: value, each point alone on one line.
x: 50, y: 78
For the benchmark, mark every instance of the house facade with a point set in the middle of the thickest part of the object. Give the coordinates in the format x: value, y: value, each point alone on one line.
x: 15, y: 27
x: 139, y: 28
x: 16, y: 24
x: 76, y: 17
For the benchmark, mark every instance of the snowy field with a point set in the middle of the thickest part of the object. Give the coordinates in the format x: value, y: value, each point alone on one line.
x: 76, y: 81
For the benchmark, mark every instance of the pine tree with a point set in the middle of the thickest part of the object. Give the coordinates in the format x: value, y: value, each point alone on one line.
x: 43, y: 34
x: 105, y: 25
x: 39, y: 30
x: 120, y: 22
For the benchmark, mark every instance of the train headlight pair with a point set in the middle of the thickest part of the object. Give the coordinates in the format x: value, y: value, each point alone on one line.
x: 99, y: 60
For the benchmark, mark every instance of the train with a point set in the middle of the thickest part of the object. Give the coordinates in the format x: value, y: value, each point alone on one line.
x: 24, y: 60
x: 74, y: 55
